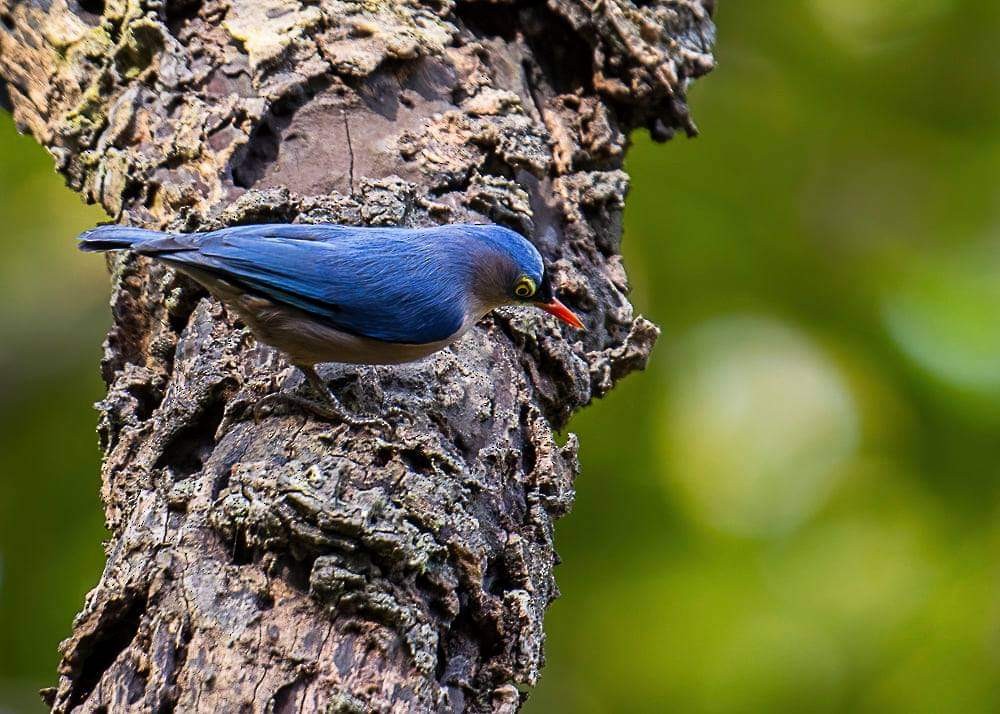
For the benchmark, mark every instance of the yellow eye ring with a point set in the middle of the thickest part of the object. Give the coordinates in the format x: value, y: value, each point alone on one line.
x: 525, y: 287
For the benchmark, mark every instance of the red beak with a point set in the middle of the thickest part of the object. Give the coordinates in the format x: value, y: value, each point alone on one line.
x: 562, y: 312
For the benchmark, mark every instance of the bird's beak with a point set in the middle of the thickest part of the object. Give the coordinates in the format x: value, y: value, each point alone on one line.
x: 562, y: 312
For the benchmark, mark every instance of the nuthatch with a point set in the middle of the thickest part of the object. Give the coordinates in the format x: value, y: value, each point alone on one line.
x: 328, y: 293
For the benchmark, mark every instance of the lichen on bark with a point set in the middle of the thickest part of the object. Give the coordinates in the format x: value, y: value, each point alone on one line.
x: 287, y: 562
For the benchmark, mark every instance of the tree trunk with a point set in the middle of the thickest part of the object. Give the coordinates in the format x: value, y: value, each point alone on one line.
x: 280, y: 562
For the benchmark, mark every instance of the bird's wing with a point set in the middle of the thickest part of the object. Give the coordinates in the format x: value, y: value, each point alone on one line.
x: 379, y: 283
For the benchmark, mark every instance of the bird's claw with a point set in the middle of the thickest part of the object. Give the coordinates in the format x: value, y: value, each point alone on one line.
x: 327, y: 407
x: 327, y: 411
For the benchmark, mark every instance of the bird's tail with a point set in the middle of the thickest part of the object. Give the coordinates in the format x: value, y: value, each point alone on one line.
x: 112, y: 237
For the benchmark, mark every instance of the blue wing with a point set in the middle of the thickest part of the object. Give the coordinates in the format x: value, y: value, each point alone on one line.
x: 395, y: 285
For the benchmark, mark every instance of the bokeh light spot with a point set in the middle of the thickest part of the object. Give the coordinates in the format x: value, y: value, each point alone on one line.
x: 863, y: 26
x: 942, y: 314
x: 759, y: 424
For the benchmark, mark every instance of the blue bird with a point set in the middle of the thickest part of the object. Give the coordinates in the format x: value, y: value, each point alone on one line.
x: 329, y: 293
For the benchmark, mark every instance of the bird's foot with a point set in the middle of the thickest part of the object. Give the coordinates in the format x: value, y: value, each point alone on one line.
x: 328, y: 407
x: 325, y: 409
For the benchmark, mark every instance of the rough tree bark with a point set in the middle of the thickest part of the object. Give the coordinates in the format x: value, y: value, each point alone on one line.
x: 259, y: 565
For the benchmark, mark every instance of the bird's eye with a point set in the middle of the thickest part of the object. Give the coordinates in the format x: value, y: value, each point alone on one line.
x: 524, y: 287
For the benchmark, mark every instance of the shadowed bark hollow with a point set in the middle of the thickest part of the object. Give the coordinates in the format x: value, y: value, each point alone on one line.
x: 287, y: 563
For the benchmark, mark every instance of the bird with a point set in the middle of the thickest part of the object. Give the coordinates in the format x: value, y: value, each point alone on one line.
x: 356, y: 295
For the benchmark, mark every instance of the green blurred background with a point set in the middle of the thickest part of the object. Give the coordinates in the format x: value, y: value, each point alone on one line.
x: 796, y: 507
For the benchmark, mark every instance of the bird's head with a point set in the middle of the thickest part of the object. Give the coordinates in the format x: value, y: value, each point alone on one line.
x: 510, y: 271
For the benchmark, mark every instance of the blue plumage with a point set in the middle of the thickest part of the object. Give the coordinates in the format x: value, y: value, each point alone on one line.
x: 326, y: 293
x: 389, y: 284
